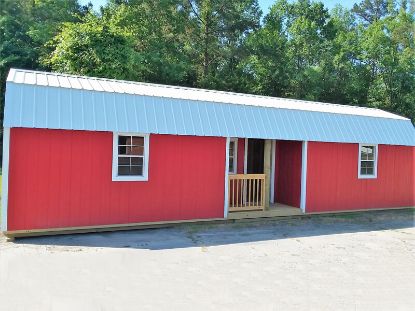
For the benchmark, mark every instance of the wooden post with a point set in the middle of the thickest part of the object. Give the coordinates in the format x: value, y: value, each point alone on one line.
x: 267, y: 171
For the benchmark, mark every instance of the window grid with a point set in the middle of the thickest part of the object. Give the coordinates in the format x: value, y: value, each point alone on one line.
x: 368, y: 161
x: 232, y: 156
x: 130, y: 155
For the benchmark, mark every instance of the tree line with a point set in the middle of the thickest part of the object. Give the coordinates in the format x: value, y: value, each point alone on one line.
x: 361, y: 56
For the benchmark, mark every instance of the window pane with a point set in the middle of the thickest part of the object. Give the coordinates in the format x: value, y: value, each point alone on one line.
x: 136, y: 161
x: 123, y: 161
x: 135, y: 150
x: 123, y: 170
x: 362, y: 171
x: 122, y: 150
x: 138, y: 141
x: 367, y: 164
x: 231, y: 166
x: 363, y: 153
x: 370, y: 153
x: 367, y: 168
x: 122, y: 140
x: 136, y: 170
x: 367, y: 153
x: 231, y: 147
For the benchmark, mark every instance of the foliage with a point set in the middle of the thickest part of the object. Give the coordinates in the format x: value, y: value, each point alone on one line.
x: 16, y: 49
x: 364, y: 56
x: 25, y: 28
x: 94, y: 47
x: 218, y: 36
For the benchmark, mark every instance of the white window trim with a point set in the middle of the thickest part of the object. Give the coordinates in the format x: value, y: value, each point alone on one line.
x: 235, y: 155
x: 375, y: 168
x: 115, y: 176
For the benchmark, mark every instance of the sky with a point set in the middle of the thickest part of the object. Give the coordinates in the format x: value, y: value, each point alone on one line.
x: 265, y: 4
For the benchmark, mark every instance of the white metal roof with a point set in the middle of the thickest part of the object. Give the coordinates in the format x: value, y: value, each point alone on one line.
x: 51, y: 100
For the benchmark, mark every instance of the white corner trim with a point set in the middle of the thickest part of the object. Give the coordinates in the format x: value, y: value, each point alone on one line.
x: 304, y: 153
x: 235, y: 155
x: 272, y: 177
x: 226, y: 203
x: 375, y: 168
x: 115, y: 176
x: 246, y: 156
x: 5, y: 178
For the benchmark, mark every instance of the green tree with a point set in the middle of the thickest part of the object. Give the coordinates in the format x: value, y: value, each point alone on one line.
x: 16, y: 46
x: 372, y: 10
x: 268, y: 46
x: 364, y: 56
x: 47, y: 16
x: 25, y: 27
x: 94, y: 47
x: 217, y: 40
x: 389, y: 51
x: 345, y: 79
x: 160, y: 31
x: 290, y: 48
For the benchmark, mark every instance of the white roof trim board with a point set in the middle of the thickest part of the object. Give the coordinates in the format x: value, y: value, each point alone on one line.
x: 59, y: 101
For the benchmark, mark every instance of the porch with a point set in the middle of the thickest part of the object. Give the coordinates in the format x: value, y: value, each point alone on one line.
x: 265, y: 179
x: 247, y: 193
x: 274, y: 210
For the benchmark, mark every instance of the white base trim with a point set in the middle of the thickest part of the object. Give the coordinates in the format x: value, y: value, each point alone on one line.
x: 5, y: 178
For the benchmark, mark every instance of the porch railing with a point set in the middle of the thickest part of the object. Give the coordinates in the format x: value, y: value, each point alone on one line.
x: 246, y: 192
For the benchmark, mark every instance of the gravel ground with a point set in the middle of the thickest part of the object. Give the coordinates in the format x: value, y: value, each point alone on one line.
x: 359, y: 261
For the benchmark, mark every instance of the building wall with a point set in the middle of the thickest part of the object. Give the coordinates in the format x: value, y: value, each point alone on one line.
x: 333, y: 184
x: 287, y: 185
x: 62, y: 178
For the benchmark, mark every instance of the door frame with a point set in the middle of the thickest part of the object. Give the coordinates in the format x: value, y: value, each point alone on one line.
x: 272, y: 177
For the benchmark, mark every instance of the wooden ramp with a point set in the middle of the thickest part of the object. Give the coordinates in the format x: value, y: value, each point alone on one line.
x: 275, y: 210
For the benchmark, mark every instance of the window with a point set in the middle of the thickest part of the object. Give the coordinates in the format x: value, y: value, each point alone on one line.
x: 233, y: 152
x: 130, y: 157
x: 368, y: 161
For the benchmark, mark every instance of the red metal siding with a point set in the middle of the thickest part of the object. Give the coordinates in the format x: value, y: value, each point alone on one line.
x: 287, y: 186
x: 333, y: 184
x: 62, y: 178
x: 241, y: 155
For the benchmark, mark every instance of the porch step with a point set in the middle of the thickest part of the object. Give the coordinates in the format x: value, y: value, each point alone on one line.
x: 277, y: 210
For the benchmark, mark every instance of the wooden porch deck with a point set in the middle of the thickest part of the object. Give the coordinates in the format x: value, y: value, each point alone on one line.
x: 275, y: 210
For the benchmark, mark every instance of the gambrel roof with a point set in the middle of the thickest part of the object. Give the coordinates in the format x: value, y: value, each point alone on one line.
x: 60, y: 101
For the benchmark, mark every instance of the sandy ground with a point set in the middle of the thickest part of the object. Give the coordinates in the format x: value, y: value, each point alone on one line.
x: 360, y: 261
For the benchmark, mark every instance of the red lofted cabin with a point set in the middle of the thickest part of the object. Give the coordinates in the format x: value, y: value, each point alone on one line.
x: 87, y: 154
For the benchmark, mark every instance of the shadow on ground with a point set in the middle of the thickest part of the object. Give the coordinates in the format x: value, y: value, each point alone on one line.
x: 193, y: 235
